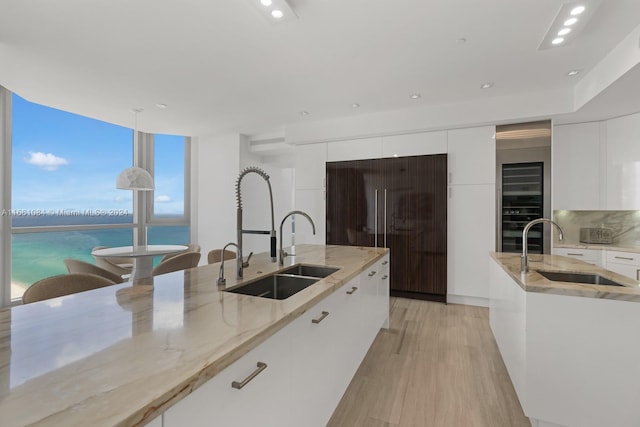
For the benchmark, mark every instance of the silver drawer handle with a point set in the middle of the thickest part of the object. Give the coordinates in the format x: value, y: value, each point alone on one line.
x: 385, y: 277
x: 638, y: 274
x: 385, y: 262
x: 238, y: 385
x: 575, y: 254
x: 623, y: 257
x: 373, y: 273
x: 353, y: 289
x: 321, y: 318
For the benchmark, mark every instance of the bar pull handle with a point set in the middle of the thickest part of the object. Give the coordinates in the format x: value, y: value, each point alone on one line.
x: 385, y: 277
x: 375, y: 219
x: 353, y: 289
x: 321, y: 318
x: 238, y: 385
x: 385, y: 262
x: 570, y: 254
x: 373, y: 273
x: 623, y: 257
x: 638, y: 274
x: 385, y: 218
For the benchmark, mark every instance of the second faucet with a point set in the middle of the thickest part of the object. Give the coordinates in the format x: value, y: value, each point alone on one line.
x: 281, y: 253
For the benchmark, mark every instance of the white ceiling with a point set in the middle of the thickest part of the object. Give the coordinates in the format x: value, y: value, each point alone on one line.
x: 222, y: 68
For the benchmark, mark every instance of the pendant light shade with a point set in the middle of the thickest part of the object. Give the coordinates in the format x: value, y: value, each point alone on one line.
x: 134, y: 178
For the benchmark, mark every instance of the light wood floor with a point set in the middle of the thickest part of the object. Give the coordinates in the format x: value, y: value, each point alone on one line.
x: 437, y: 365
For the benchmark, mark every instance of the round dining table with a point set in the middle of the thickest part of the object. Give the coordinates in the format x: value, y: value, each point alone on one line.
x: 142, y: 256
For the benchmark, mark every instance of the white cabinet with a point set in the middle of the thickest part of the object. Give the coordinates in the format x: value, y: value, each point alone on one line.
x: 366, y: 148
x: 310, y: 166
x: 471, y: 237
x: 414, y: 144
x: 472, y: 155
x: 309, y: 364
x: 623, y: 163
x: 217, y: 402
x: 625, y: 263
x: 578, y: 172
x: 591, y: 256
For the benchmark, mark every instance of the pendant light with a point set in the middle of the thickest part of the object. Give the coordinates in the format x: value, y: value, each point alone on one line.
x: 135, y: 178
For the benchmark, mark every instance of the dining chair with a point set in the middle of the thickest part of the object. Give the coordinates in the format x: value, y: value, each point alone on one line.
x: 63, y: 284
x: 119, y: 265
x: 78, y: 266
x: 214, y: 255
x: 178, y: 262
x: 192, y: 247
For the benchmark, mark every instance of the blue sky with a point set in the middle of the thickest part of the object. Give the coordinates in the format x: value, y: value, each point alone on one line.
x: 63, y: 161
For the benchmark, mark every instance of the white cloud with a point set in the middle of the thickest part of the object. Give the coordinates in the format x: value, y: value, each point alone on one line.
x: 46, y: 161
x: 163, y: 199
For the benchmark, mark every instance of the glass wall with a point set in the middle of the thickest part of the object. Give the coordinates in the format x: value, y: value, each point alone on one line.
x: 64, y: 201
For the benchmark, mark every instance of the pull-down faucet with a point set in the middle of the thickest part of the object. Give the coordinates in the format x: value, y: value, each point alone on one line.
x: 281, y: 253
x: 240, y: 231
x: 221, y: 280
x: 524, y: 267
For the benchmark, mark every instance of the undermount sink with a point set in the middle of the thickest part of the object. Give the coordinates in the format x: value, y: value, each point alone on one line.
x: 276, y: 286
x: 310, y: 270
x: 588, y: 278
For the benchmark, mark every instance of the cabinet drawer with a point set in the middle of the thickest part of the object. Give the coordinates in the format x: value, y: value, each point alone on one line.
x: 592, y: 256
x: 628, y: 258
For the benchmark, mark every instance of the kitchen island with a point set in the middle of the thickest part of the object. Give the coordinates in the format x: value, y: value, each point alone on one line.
x: 123, y: 355
x: 571, y: 349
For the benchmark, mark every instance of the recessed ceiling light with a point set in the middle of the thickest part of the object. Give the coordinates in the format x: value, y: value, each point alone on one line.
x: 486, y: 85
x: 265, y: 2
x: 416, y: 96
x: 557, y: 40
x: 564, y: 31
x: 569, y: 22
x: 304, y: 113
x: 573, y: 73
x: 355, y: 105
x: 160, y: 105
x: 277, y: 13
x: 577, y: 10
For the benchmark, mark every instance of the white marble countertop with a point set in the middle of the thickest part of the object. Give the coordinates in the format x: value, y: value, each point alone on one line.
x: 121, y: 355
x: 532, y: 281
x: 601, y: 247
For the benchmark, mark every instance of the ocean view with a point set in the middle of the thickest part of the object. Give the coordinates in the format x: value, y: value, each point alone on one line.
x: 39, y: 255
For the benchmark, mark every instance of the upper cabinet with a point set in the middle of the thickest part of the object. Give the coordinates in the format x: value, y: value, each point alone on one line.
x: 577, y: 174
x: 309, y: 164
x: 414, y: 144
x: 472, y: 155
x: 358, y: 149
x: 623, y: 163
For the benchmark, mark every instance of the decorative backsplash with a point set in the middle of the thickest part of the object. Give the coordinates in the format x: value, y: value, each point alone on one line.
x: 624, y: 226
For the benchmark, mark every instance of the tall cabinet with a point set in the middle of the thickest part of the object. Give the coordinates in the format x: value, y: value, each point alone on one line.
x: 399, y: 203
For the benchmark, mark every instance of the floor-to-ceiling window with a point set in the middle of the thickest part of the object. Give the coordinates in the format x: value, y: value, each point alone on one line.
x: 63, y: 196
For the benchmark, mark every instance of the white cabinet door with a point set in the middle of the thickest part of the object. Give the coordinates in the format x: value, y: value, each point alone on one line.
x: 623, y: 163
x: 218, y: 403
x: 625, y: 263
x: 471, y: 237
x: 315, y: 359
x: 577, y: 172
x: 591, y: 256
x: 472, y: 155
x: 414, y: 144
x: 630, y: 271
x: 366, y: 148
x: 310, y: 166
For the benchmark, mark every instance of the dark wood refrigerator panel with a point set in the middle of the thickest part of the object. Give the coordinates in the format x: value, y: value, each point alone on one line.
x: 400, y: 203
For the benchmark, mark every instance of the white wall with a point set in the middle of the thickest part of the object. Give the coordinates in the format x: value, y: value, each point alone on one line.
x: 215, y: 163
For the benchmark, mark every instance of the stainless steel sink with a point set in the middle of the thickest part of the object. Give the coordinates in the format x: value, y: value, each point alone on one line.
x: 310, y: 270
x: 276, y: 286
x: 588, y: 278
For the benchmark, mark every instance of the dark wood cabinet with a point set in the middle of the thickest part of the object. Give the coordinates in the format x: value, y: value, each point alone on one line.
x: 399, y: 203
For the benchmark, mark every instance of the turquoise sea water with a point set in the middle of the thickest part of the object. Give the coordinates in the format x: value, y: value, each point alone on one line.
x: 39, y: 255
